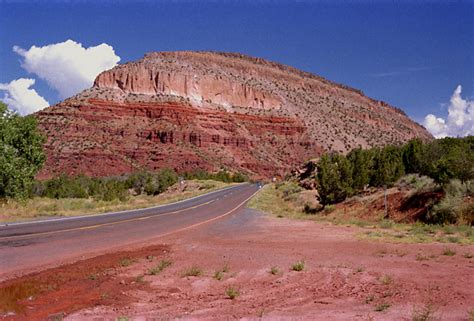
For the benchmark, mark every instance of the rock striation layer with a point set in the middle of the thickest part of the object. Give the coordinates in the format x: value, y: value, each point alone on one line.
x: 210, y: 110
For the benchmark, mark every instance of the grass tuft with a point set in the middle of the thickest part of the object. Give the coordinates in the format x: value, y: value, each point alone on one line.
x: 298, y: 266
x: 448, y: 252
x: 424, y: 313
x: 218, y: 275
x: 382, y: 307
x: 274, y: 270
x: 160, y: 267
x: 126, y: 262
x: 232, y: 293
x: 386, y: 279
x: 192, y: 271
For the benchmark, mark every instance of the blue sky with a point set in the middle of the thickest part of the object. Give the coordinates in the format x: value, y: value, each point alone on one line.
x: 412, y: 55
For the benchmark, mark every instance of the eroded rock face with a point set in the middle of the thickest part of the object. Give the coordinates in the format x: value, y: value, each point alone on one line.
x: 190, y: 110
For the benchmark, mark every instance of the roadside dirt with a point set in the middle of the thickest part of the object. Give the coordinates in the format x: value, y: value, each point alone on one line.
x: 402, y: 205
x: 344, y: 278
x: 55, y: 292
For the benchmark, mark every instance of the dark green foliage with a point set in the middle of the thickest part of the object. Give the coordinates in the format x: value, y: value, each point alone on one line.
x: 21, y: 153
x: 159, y: 182
x: 105, y: 188
x: 449, y: 158
x: 443, y: 160
x: 222, y: 175
x: 412, y: 153
x: 361, y: 163
x: 334, y: 178
x: 152, y: 183
x: 387, y: 166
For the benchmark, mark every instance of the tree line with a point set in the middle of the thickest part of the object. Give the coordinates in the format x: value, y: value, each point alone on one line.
x: 340, y: 176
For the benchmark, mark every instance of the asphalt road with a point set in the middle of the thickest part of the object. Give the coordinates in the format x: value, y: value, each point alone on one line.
x: 32, y: 245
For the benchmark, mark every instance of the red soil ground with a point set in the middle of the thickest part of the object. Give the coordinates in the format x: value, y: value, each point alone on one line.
x: 344, y: 278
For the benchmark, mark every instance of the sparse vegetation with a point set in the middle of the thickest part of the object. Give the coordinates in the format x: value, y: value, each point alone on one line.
x: 45, y: 206
x: 447, y: 161
x: 369, y: 299
x: 449, y: 252
x: 382, y: 307
x: 218, y: 275
x: 126, y: 262
x: 222, y: 176
x: 424, y: 313
x: 160, y: 267
x: 192, y: 271
x: 232, y: 293
x: 274, y: 270
x: 140, y: 279
x: 93, y: 277
x: 298, y: 266
x: 386, y: 279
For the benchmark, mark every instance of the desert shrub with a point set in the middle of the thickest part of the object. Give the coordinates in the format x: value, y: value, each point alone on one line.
x: 67, y: 187
x: 446, y: 211
x: 432, y: 164
x: 452, y: 208
x: 105, y: 188
x: 111, y: 190
x: 309, y: 209
x: 419, y: 183
x: 288, y: 189
x: 137, y: 181
x: 159, y: 182
x: 222, y: 175
x: 455, y: 188
x: 466, y: 214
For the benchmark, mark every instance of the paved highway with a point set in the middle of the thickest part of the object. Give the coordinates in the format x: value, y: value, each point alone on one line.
x: 30, y: 245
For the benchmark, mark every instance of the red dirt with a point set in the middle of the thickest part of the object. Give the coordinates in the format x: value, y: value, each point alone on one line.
x: 61, y: 290
x: 402, y: 205
x: 344, y: 278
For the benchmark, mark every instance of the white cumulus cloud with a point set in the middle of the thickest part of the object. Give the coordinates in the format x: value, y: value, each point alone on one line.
x: 21, y: 98
x: 460, y: 121
x: 67, y: 66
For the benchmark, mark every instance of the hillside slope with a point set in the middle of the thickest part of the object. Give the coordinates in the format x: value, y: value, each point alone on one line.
x: 189, y: 110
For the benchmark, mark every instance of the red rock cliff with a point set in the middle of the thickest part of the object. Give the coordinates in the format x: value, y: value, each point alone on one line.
x: 189, y: 110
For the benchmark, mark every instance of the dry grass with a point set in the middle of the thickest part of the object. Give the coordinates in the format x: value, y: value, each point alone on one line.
x: 46, y: 207
x: 270, y: 200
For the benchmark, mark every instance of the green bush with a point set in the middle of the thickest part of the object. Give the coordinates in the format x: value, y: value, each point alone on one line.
x: 288, y: 189
x: 451, y: 208
x: 448, y: 162
x: 222, y: 175
x: 105, y: 188
x: 21, y: 153
x: 334, y: 179
x: 446, y: 211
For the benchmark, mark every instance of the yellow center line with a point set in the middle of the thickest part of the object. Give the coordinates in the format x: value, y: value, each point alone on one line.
x: 211, y: 219
x: 102, y: 224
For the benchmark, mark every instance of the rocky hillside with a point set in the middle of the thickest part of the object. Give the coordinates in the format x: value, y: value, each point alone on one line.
x: 209, y: 110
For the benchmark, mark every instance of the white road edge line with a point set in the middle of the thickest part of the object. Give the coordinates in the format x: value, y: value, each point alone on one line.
x: 114, y: 213
x: 212, y: 219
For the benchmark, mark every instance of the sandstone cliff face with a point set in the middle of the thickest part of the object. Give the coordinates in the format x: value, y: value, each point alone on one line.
x: 189, y: 110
